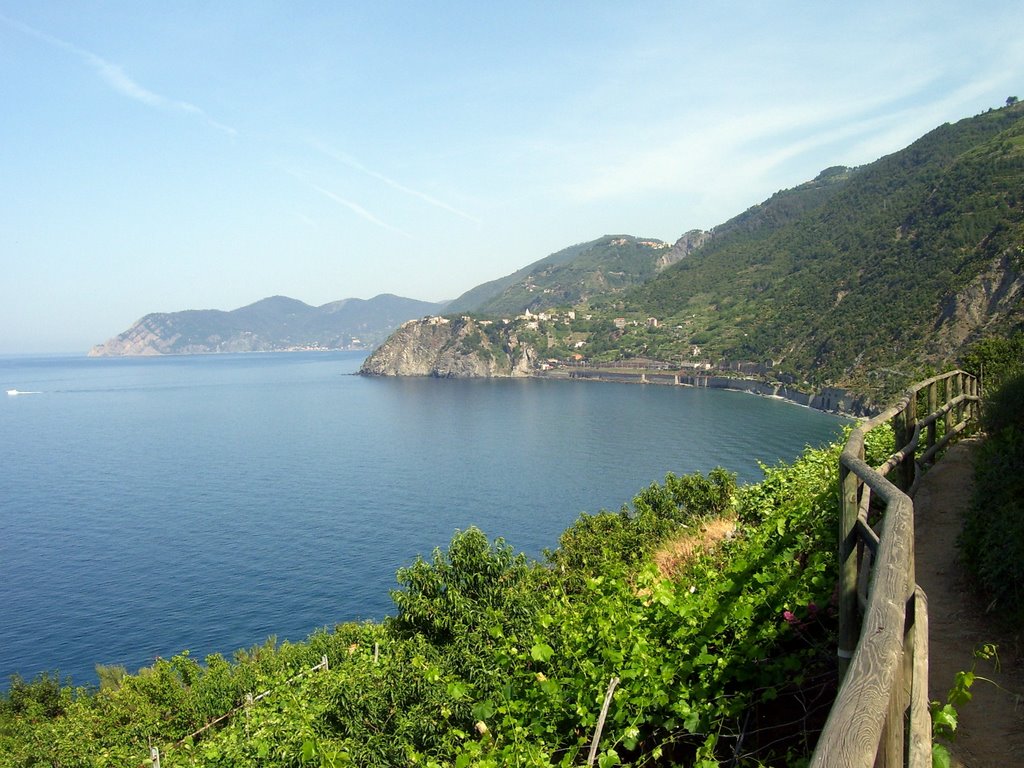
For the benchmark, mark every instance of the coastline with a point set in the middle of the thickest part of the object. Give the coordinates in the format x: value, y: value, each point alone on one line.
x: 829, y: 399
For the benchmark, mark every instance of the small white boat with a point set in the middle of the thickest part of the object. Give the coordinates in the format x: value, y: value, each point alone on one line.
x: 13, y: 392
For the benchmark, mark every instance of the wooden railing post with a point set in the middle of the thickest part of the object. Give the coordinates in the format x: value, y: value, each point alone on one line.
x: 903, y: 427
x: 910, y: 463
x: 920, y: 741
x: 893, y: 736
x: 933, y: 404
x: 848, y: 628
x: 949, y: 398
x: 961, y: 389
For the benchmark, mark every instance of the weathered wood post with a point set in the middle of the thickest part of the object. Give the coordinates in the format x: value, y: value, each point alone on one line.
x: 600, y: 721
x: 848, y: 630
x: 908, y: 470
x: 949, y: 398
x: 933, y: 404
x: 960, y: 389
x: 974, y: 391
x: 920, y: 716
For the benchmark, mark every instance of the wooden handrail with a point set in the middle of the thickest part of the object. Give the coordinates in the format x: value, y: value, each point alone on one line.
x: 883, y: 650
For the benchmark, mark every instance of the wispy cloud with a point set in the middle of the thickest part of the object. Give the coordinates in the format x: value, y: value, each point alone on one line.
x: 351, y: 162
x: 359, y: 210
x: 118, y: 79
x: 726, y: 147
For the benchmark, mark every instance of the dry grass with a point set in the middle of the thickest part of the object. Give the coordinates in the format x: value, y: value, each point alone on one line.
x: 676, y: 553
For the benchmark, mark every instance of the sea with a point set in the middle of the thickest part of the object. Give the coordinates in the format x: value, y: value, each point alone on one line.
x: 207, y: 503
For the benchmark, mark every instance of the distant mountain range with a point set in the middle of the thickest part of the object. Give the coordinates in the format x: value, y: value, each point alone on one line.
x: 270, y: 325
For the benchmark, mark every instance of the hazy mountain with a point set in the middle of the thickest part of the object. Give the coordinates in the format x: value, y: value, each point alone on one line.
x: 273, y: 324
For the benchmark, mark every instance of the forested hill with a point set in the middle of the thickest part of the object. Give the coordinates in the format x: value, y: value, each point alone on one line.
x: 607, y: 265
x: 907, y: 258
x: 273, y: 324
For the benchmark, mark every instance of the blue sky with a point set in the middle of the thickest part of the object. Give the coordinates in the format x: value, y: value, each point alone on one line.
x: 189, y: 155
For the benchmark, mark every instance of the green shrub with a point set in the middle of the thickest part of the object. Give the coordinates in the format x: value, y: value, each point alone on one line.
x: 466, y: 589
x: 992, y: 541
x: 996, y: 360
x: 42, y: 697
x: 613, y: 542
x: 685, y: 498
x: 1004, y: 409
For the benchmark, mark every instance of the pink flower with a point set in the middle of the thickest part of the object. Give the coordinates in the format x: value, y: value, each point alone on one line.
x: 789, y: 617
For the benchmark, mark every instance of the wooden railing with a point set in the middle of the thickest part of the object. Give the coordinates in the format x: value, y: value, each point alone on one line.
x: 880, y: 716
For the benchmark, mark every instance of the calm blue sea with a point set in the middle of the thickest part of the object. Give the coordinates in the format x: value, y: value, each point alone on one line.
x: 151, y: 505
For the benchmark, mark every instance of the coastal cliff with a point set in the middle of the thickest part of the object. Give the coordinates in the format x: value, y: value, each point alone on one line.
x: 469, y: 348
x: 446, y: 348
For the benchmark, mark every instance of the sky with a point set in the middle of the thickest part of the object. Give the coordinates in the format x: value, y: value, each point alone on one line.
x: 157, y: 157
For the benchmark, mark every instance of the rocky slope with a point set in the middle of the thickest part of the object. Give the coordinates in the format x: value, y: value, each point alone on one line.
x: 993, y: 298
x: 446, y: 348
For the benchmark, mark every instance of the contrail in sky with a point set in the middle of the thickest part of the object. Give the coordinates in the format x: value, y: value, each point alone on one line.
x: 351, y: 162
x: 358, y: 210
x: 118, y: 79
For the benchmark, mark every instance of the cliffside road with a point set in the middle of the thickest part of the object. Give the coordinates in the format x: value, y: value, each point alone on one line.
x: 991, y: 731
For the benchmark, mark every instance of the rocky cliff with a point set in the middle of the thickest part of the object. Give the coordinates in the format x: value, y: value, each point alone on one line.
x: 444, y: 348
x: 991, y: 301
x: 683, y: 247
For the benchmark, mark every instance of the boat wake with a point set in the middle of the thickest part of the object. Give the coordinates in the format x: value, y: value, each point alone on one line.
x: 13, y: 392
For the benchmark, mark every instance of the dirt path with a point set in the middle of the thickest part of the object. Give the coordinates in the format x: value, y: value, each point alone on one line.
x: 991, y: 732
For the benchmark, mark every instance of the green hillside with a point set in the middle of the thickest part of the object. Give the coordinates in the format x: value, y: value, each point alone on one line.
x: 475, y: 297
x: 847, y: 278
x: 606, y: 265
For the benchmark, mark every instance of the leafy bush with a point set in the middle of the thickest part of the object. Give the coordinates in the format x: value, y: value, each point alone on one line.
x: 614, y: 541
x: 42, y: 697
x: 467, y: 589
x: 681, y: 499
x: 992, y: 542
x: 1005, y: 408
x: 996, y: 360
